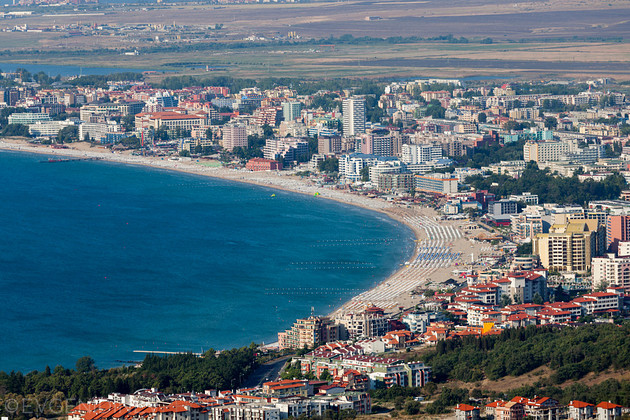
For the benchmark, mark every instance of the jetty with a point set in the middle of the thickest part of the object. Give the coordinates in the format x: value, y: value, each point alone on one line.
x: 52, y: 160
x: 167, y: 352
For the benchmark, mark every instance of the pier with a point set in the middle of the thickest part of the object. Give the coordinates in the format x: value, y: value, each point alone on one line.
x: 167, y: 352
x: 51, y: 160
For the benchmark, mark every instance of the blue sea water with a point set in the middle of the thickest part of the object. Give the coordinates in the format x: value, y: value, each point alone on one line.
x: 101, y: 259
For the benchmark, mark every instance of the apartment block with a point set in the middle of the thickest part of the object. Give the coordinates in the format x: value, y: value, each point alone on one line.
x: 567, y: 247
x: 261, y: 164
x: 420, y: 153
x: 234, y: 136
x: 27, y: 118
x: 328, y: 144
x: 611, y: 271
x: 526, y: 225
x: 617, y: 230
x: 370, y: 322
x: 391, y: 182
x: 289, y: 149
x: 545, y: 151
x: 437, y: 183
x: 291, y: 110
x: 353, y: 116
x: 308, y: 332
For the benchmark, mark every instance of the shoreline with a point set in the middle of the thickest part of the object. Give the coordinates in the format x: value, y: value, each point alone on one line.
x: 391, y: 293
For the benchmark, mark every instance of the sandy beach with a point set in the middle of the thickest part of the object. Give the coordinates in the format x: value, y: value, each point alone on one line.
x: 441, y: 246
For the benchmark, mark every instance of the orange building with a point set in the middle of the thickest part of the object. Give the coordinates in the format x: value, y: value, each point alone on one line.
x: 260, y: 164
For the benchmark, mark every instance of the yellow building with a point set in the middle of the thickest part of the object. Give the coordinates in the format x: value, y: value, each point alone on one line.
x: 568, y: 247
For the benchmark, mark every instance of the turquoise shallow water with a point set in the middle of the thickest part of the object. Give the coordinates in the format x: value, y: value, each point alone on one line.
x: 101, y: 259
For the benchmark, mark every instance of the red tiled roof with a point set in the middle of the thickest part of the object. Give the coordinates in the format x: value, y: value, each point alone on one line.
x: 608, y: 405
x: 580, y: 404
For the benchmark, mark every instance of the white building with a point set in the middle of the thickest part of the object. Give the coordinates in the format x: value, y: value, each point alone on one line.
x: 385, y: 167
x: 350, y: 166
x: 48, y: 128
x: 27, y: 118
x: 353, y: 116
x: 544, y: 151
x: 291, y: 110
x: 420, y: 153
x: 527, y: 198
x: 437, y: 183
x: 598, y: 302
x: 611, y: 271
x: 99, y: 131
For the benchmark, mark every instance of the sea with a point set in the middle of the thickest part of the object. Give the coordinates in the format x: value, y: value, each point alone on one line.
x: 102, y: 259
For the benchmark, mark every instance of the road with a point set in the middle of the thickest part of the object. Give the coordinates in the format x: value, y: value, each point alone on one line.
x: 268, y: 372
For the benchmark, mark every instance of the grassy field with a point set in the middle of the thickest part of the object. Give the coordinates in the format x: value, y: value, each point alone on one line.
x: 552, y: 38
x: 579, y: 60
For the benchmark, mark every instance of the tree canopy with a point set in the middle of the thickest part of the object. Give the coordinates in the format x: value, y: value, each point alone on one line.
x: 172, y: 373
x: 550, y: 188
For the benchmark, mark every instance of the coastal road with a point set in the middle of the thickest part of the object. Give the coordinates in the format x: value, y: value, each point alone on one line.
x: 268, y: 372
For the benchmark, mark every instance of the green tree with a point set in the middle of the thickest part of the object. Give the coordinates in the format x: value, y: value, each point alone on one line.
x: 482, y: 117
x: 85, y: 364
x: 412, y: 407
x: 365, y: 173
x: 435, y: 109
x: 68, y: 134
x: 524, y: 249
x: 131, y: 142
x: 551, y: 123
x: 17, y: 130
x: 162, y: 133
x: 129, y: 122
x: 267, y: 131
x: 24, y: 74
x: 329, y: 165
x: 512, y: 126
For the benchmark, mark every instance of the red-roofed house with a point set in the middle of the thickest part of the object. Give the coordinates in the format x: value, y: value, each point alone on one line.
x: 550, y: 316
x: 520, y: 320
x: 490, y: 409
x: 286, y: 388
x: 574, y: 308
x: 171, y: 120
x: 400, y: 339
x: 509, y: 411
x: 608, y: 411
x: 466, y: 412
x: 598, y: 302
x: 487, y: 293
x: 579, y: 410
x: 542, y: 408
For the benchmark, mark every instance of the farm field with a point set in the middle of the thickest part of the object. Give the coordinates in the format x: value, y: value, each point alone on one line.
x: 557, y: 38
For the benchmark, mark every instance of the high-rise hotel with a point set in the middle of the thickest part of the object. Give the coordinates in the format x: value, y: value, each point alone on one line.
x: 353, y: 116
